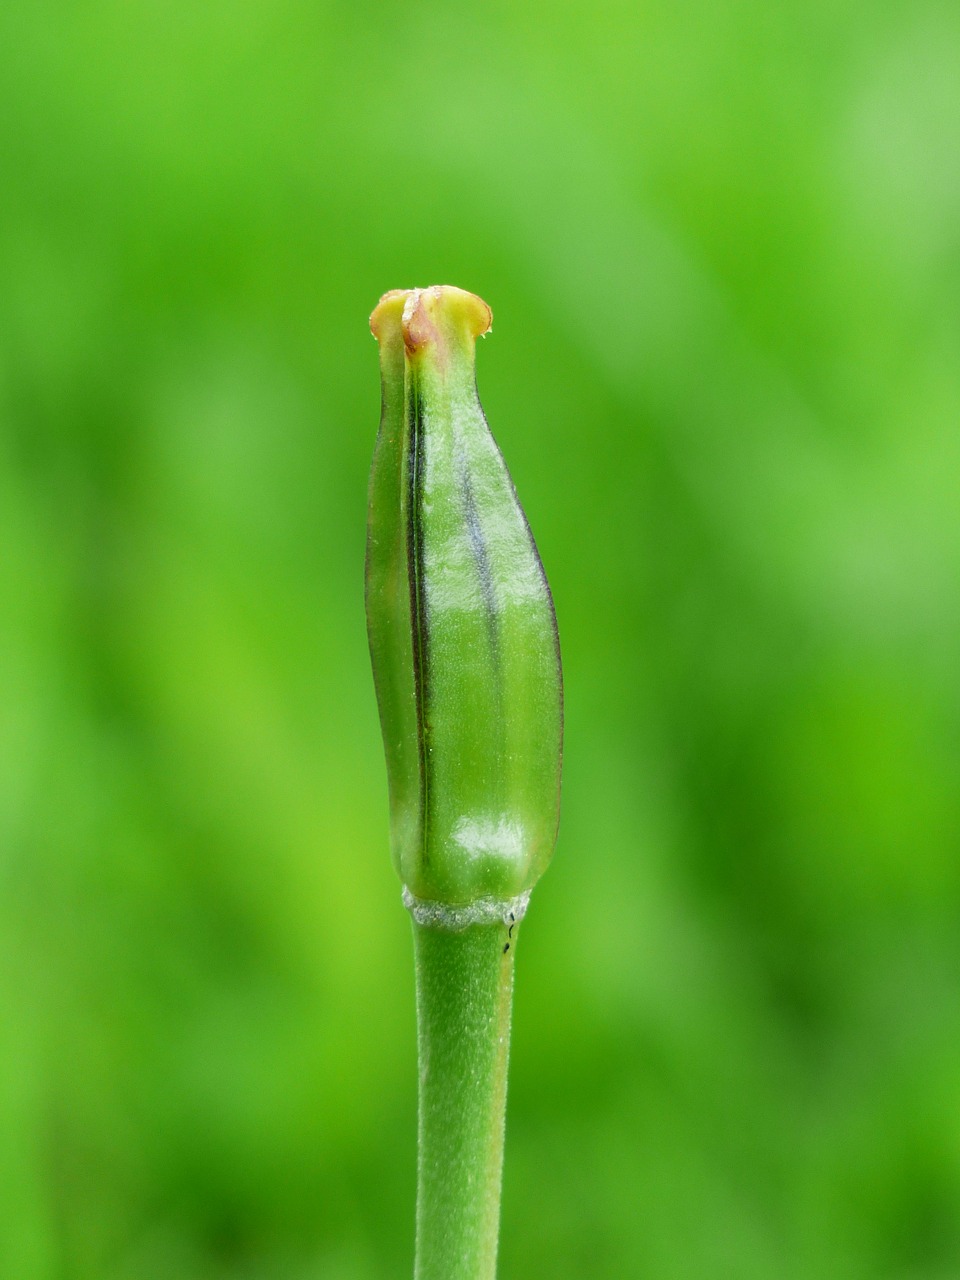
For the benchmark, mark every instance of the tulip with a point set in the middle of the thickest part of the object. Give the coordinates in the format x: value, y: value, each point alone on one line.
x: 466, y: 664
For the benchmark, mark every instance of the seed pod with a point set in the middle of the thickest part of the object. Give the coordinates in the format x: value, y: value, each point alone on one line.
x: 463, y: 635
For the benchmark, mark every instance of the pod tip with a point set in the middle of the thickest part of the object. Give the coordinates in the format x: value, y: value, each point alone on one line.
x: 422, y: 313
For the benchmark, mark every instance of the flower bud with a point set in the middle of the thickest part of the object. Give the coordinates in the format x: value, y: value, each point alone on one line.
x: 463, y: 634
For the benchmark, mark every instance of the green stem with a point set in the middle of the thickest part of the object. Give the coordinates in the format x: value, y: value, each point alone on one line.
x: 464, y: 994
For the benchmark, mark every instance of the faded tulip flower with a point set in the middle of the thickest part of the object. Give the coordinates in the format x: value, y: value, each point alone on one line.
x: 461, y: 622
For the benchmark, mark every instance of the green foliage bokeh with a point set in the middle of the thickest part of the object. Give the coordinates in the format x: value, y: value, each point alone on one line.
x: 722, y: 247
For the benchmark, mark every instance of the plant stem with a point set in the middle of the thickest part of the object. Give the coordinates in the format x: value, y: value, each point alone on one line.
x: 464, y: 995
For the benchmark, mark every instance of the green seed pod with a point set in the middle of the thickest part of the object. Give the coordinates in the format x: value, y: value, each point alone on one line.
x: 463, y: 635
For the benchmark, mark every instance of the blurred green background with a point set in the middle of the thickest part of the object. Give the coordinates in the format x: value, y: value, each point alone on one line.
x: 722, y: 246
